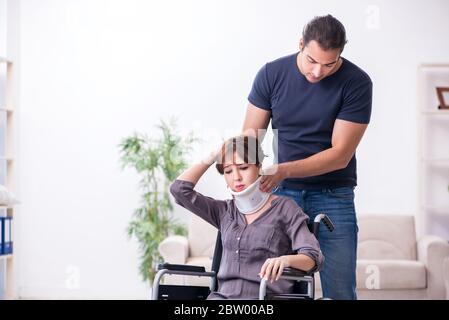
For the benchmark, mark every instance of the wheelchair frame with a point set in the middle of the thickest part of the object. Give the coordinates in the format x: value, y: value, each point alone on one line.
x: 180, y: 292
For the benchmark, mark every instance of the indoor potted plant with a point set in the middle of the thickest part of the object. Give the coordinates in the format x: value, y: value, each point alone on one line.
x: 158, y: 161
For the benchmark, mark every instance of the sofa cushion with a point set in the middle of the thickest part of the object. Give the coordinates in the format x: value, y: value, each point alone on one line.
x: 391, y: 274
x: 386, y: 237
x: 201, y: 236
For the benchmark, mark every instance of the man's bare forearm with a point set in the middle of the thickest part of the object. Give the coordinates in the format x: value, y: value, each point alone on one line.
x: 323, y: 162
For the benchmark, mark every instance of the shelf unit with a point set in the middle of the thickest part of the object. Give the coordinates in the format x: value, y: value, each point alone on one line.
x: 7, y: 166
x: 433, y: 152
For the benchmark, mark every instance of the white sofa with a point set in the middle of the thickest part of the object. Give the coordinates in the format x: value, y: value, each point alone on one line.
x: 392, y: 263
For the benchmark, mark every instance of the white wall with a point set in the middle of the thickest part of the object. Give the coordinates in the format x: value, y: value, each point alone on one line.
x: 93, y: 72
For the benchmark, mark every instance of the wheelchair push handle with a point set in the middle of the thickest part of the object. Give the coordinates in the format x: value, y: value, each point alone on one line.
x: 325, y: 219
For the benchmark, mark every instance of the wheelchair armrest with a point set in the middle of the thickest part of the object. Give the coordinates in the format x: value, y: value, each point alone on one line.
x: 180, y: 267
x: 290, y: 274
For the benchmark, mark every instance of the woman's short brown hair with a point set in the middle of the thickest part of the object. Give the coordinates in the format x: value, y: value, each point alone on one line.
x: 247, y: 147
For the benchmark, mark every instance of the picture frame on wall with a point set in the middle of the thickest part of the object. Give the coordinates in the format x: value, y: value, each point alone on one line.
x: 443, y: 97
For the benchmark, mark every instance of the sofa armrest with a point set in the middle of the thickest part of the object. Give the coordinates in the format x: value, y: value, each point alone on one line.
x: 432, y: 251
x: 446, y: 276
x: 174, y: 249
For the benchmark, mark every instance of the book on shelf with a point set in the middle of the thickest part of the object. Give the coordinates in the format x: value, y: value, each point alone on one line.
x: 6, y: 243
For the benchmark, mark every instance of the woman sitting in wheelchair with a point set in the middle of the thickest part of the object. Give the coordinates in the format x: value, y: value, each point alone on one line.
x: 262, y: 233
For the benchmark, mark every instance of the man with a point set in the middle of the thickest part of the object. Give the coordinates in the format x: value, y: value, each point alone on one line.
x: 320, y: 105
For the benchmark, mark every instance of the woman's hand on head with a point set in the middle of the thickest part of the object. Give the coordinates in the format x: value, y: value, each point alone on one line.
x: 273, y: 267
x: 212, y: 157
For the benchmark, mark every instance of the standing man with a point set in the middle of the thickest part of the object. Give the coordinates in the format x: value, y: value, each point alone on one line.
x: 320, y: 105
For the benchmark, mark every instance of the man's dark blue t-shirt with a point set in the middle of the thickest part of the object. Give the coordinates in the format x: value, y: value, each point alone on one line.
x: 304, y: 113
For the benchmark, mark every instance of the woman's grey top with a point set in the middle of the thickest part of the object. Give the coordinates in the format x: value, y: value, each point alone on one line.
x: 280, y: 230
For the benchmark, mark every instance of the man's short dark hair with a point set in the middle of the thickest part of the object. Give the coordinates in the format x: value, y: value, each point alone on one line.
x: 327, y: 31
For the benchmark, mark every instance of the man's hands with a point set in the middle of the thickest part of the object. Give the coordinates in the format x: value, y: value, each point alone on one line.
x: 272, y: 176
x: 273, y: 267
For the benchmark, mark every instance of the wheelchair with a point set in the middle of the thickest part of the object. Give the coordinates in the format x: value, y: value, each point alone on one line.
x: 303, y: 288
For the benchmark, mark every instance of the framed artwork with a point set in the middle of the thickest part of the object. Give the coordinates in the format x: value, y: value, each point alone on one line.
x: 443, y: 97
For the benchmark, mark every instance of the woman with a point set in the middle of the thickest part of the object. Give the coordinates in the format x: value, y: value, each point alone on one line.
x: 261, y: 233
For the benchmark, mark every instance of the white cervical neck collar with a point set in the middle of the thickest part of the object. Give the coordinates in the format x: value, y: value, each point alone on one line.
x: 251, y: 199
